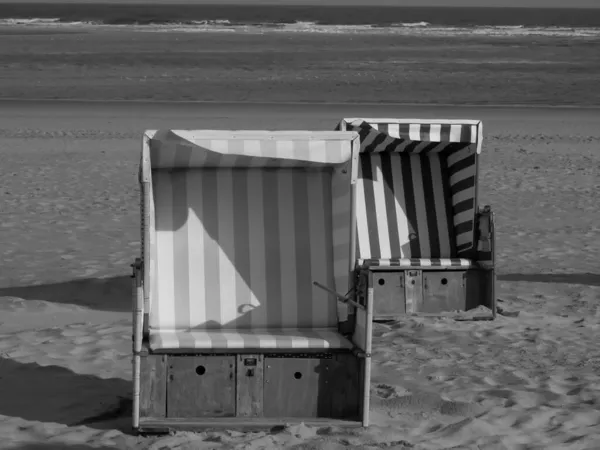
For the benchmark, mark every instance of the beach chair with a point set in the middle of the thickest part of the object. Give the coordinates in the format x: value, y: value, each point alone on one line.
x: 247, y: 256
x: 423, y: 245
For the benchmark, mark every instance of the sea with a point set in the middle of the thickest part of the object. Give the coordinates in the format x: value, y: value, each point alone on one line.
x: 429, y: 21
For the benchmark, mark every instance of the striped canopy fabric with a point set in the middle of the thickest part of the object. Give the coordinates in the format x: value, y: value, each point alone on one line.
x: 184, y: 149
x: 238, y: 243
x: 416, y: 191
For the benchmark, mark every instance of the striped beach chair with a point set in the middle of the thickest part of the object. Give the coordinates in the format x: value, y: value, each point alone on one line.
x: 422, y: 243
x: 239, y: 294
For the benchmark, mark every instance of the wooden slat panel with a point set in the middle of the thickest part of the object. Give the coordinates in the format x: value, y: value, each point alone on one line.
x: 250, y: 385
x: 297, y: 387
x: 153, y: 386
x: 344, y: 379
x: 201, y: 386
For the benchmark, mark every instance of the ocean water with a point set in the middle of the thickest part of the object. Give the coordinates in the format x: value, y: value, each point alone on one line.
x: 308, y: 19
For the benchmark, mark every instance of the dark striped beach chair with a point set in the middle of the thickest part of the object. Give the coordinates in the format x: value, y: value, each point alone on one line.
x: 423, y: 245
x: 230, y: 329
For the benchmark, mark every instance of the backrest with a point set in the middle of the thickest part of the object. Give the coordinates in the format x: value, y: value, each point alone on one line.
x: 244, y: 223
x: 416, y: 188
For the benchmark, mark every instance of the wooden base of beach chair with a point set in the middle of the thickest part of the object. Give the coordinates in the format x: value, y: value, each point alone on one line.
x: 231, y: 390
x: 429, y: 291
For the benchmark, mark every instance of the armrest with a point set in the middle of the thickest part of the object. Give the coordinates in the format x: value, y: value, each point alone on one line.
x: 138, y: 305
x: 485, y: 237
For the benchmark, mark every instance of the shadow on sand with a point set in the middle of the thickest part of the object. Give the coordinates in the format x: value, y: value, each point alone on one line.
x: 588, y: 279
x: 102, y: 294
x: 58, y: 446
x: 58, y: 395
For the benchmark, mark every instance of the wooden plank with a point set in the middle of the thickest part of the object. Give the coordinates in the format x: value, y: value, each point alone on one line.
x: 201, y: 386
x: 153, y: 386
x: 159, y: 425
x: 296, y: 387
x: 413, y: 282
x: 250, y: 370
x: 388, y: 294
x: 344, y: 379
x: 443, y: 291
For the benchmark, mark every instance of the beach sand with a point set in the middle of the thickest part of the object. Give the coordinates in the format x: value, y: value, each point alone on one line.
x: 70, y: 229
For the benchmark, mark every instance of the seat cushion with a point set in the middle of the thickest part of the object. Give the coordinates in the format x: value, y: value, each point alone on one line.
x: 248, y: 339
x: 416, y: 262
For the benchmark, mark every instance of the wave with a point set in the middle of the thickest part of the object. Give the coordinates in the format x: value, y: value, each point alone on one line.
x: 409, y: 28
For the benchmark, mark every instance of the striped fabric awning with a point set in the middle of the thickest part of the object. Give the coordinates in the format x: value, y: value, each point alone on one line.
x: 416, y: 187
x: 412, y: 137
x: 178, y: 149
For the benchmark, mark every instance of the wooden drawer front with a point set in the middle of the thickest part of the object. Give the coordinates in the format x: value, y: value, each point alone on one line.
x: 201, y: 386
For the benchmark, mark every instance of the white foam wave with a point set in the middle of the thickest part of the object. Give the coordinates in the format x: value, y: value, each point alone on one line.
x: 406, y: 29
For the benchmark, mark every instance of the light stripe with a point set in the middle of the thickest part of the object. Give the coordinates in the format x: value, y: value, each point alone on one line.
x: 362, y: 228
x: 455, y: 133
x: 380, y: 209
x: 196, y: 233
x: 435, y: 133
x: 414, y: 133
x: 394, y: 130
x: 226, y: 219
x: 401, y: 218
x: 165, y: 313
x: 256, y: 234
x: 423, y: 233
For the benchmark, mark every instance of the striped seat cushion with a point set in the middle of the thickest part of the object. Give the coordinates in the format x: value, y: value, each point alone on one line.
x: 416, y: 262
x: 275, y: 339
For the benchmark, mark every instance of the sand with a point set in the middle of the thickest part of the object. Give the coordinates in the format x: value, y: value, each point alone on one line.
x: 70, y: 229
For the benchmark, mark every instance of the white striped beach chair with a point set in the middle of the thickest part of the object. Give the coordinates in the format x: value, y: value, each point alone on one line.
x: 422, y: 243
x: 230, y: 329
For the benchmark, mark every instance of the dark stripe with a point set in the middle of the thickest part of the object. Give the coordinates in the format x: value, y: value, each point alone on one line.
x: 383, y: 128
x: 372, y: 228
x: 182, y: 156
x: 445, y: 133
x: 415, y: 262
x: 455, y: 262
x: 241, y: 243
x: 302, y: 243
x: 379, y: 139
x: 436, y: 262
x: 393, y: 146
x: 180, y: 248
x: 461, y: 164
x: 425, y: 132
x: 450, y: 211
x: 464, y: 227
x: 404, y: 131
x: 412, y: 146
x: 465, y: 133
x: 411, y: 208
x: 273, y: 262
x: 467, y: 183
x: 430, y: 210
x: 210, y: 219
x: 463, y: 206
x: 390, y: 204
x: 325, y: 178
x: 431, y: 148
